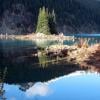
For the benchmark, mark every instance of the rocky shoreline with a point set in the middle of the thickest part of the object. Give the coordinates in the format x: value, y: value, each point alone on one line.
x: 85, y: 57
x: 37, y: 36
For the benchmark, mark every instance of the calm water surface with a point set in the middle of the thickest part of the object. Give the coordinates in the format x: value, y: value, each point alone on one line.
x: 75, y: 86
x: 24, y: 77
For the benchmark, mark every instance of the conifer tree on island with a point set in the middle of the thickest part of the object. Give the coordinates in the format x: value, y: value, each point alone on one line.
x: 43, y: 24
x: 52, y: 22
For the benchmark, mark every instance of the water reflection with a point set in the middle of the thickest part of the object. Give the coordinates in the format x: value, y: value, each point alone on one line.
x: 31, y: 74
x: 39, y: 88
x: 45, y: 43
x: 2, y: 79
x: 28, y: 58
x: 79, y: 85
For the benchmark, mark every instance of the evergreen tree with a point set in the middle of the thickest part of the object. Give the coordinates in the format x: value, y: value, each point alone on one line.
x: 52, y: 23
x: 42, y: 24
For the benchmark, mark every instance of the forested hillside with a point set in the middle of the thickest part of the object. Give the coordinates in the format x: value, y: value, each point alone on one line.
x: 20, y: 16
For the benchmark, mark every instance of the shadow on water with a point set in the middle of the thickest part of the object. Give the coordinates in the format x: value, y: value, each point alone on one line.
x: 24, y: 67
x: 24, y: 72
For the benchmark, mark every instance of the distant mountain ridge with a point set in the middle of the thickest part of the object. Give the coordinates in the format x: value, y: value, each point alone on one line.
x: 72, y: 16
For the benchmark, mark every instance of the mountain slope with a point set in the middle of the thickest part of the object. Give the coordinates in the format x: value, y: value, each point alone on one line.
x: 72, y: 16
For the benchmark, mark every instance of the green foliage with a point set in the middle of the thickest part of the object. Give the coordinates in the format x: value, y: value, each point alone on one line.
x: 52, y: 22
x: 46, y: 22
x: 42, y: 24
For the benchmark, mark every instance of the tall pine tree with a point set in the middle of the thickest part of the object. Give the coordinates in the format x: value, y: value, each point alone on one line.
x: 43, y: 24
x: 52, y: 23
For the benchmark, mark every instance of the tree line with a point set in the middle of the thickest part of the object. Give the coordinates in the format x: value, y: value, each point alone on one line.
x: 46, y: 22
x: 69, y: 13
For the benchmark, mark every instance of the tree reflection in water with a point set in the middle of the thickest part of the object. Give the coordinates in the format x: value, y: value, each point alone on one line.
x: 24, y: 69
x: 2, y: 78
x: 43, y: 59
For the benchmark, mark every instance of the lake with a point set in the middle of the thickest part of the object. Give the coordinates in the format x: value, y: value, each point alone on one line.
x: 27, y: 77
x: 75, y: 86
